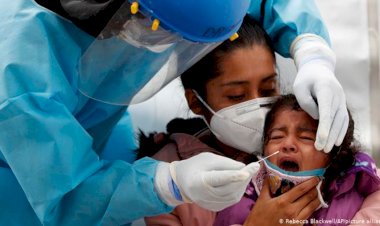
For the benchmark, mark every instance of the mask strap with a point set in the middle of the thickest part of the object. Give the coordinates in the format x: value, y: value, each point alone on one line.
x: 320, y: 197
x: 205, y: 104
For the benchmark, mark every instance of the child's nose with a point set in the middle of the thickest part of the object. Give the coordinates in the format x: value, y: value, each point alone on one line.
x: 289, y: 145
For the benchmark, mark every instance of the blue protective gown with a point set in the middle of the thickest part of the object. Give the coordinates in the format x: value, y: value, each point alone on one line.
x: 284, y: 20
x: 51, y: 137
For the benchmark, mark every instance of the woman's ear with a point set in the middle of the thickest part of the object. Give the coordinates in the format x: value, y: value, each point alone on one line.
x: 193, y: 102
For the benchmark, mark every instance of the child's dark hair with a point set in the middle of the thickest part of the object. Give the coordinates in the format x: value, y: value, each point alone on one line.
x: 147, y: 144
x: 341, y: 157
x: 250, y: 33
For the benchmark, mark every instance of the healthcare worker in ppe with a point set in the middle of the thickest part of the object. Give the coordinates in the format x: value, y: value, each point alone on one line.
x: 68, y: 71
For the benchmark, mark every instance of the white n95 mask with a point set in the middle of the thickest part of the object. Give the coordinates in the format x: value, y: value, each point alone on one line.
x: 241, y: 125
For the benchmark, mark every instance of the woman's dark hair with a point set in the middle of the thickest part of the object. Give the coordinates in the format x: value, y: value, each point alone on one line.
x: 196, y: 77
x: 250, y: 33
x: 341, y: 157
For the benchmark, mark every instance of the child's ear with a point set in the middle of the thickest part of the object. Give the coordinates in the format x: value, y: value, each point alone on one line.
x: 193, y: 102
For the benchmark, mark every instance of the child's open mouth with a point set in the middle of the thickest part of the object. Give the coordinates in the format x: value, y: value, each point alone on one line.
x: 289, y: 165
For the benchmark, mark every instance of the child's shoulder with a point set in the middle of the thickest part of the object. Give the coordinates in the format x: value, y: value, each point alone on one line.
x: 364, y: 171
x: 364, y: 162
x: 361, y: 177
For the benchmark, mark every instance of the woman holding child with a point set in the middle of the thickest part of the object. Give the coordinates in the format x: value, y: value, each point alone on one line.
x: 233, y: 88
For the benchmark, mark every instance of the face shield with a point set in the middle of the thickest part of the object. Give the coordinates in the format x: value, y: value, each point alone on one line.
x: 131, y: 51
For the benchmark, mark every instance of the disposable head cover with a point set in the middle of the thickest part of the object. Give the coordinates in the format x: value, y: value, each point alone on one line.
x: 129, y: 53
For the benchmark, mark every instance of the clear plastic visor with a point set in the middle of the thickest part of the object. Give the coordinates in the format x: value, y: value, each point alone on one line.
x: 130, y: 57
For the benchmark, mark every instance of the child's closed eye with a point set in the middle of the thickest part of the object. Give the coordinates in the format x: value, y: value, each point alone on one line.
x: 307, y: 138
x: 276, y: 135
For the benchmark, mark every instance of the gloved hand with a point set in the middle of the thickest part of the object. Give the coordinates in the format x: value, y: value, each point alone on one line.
x: 318, y: 91
x: 213, y: 182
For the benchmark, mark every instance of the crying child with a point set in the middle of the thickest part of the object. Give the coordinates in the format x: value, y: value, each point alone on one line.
x: 346, y: 175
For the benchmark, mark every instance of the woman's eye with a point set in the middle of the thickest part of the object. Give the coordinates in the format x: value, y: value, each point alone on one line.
x: 268, y: 92
x: 236, y: 97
